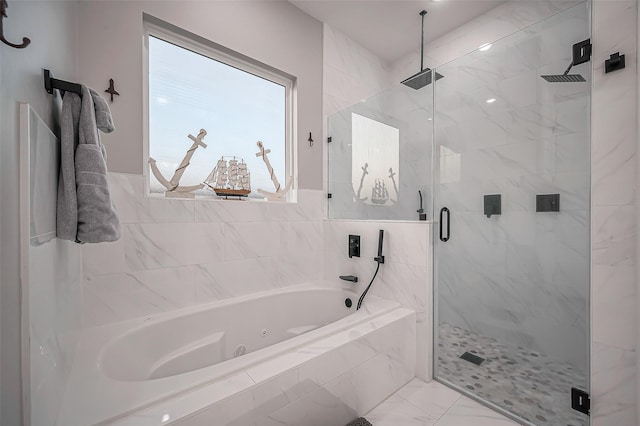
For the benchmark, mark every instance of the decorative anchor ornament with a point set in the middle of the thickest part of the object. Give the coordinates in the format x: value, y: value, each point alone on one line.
x: 364, y: 173
x: 112, y: 89
x: 395, y: 187
x: 174, y: 190
x: 280, y: 193
x: 3, y: 14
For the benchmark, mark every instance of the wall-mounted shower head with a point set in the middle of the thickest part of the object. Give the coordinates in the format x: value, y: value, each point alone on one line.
x: 581, y: 54
x: 423, y: 77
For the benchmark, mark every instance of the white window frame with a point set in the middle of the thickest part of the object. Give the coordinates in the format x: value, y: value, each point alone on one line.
x: 154, y: 27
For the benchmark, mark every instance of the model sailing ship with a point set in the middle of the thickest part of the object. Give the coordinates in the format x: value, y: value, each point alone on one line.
x: 379, y: 193
x: 230, y: 178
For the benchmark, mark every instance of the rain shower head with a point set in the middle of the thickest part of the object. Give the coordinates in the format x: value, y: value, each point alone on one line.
x: 423, y: 77
x: 581, y: 54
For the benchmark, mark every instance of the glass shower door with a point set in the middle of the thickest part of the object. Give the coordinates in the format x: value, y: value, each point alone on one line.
x: 511, y: 196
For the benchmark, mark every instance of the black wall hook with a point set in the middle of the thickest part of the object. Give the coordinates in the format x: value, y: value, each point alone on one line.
x: 614, y: 63
x: 3, y: 14
x: 112, y: 89
x: 310, y: 140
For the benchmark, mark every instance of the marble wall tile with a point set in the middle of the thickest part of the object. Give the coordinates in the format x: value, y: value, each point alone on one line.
x: 614, y: 306
x: 613, y: 386
x: 106, y: 258
x: 133, y: 207
x: 247, y: 240
x: 301, y: 256
x: 222, y: 280
x: 120, y: 296
x: 333, y: 403
x: 149, y: 246
x: 207, y: 211
x: 393, y: 366
x: 613, y: 235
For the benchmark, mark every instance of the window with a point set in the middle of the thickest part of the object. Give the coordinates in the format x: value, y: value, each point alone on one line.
x: 237, y: 101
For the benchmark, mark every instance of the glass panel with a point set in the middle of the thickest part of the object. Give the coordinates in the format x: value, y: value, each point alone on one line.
x: 379, y: 156
x: 512, y: 283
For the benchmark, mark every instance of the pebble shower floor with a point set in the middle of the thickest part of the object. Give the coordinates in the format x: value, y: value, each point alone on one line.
x: 524, y: 382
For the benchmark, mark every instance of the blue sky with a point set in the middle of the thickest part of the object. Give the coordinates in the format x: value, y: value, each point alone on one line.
x: 189, y: 92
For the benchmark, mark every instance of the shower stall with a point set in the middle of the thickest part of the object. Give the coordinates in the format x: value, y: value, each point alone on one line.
x: 499, y: 158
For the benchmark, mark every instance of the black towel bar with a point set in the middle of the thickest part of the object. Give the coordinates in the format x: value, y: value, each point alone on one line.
x: 51, y: 83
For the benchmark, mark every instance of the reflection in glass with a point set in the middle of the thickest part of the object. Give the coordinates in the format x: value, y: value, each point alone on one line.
x: 375, y: 160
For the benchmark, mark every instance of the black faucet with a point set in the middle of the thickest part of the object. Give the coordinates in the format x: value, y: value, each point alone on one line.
x: 351, y: 278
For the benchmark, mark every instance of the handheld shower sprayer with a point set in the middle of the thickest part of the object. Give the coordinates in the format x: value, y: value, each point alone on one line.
x: 379, y: 259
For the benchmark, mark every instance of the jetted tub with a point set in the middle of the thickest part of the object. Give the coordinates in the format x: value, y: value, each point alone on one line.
x: 142, y: 371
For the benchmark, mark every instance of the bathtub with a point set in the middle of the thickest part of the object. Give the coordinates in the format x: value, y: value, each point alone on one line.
x: 189, y: 366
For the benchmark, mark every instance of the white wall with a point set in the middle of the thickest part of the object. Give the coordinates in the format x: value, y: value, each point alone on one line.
x: 275, y: 33
x: 52, y: 29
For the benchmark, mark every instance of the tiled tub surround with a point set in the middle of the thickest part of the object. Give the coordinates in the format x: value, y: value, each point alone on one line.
x: 346, y: 367
x: 523, y: 381
x: 179, y: 253
x: 405, y: 277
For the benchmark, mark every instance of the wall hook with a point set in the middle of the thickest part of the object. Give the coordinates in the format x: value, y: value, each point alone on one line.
x: 112, y: 89
x: 310, y: 140
x: 614, y: 63
x: 3, y: 14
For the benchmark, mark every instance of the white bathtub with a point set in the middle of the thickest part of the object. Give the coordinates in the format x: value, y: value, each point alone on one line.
x: 170, y: 367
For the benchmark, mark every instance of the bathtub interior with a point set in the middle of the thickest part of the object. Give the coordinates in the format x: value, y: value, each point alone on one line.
x: 158, y: 387
x: 196, y: 340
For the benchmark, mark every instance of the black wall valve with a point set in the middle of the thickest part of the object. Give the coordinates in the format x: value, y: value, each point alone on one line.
x: 354, y: 246
x: 492, y: 205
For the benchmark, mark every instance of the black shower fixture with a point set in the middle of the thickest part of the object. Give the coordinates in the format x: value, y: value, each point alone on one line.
x: 423, y: 77
x: 581, y: 54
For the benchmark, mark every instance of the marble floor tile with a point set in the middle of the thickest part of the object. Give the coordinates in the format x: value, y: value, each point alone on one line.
x: 397, y: 411
x: 465, y: 412
x: 433, y: 398
x: 433, y: 404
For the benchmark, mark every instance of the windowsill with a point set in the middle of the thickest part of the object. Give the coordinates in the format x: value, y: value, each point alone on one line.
x: 212, y: 198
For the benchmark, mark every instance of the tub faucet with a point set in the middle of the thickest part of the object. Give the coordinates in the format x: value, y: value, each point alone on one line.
x: 351, y: 278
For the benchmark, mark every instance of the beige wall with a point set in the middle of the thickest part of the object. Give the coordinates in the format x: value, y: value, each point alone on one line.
x: 275, y: 33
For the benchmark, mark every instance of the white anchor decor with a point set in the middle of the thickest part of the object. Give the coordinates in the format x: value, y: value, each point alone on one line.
x: 280, y: 193
x: 174, y: 190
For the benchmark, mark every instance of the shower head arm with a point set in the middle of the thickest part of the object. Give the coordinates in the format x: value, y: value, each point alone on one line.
x: 568, y: 69
x: 422, y: 13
